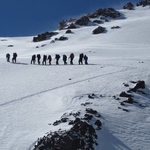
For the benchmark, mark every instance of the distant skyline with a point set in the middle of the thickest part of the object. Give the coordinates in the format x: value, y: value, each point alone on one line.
x: 31, y: 17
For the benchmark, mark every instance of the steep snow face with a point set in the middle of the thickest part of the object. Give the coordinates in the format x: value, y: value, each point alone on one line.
x: 34, y: 96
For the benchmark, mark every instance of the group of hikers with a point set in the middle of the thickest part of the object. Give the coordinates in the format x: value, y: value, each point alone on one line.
x: 13, y: 58
x: 57, y: 57
x: 82, y: 58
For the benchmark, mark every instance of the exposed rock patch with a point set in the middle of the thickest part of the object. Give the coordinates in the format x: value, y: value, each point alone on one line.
x: 82, y: 134
x: 44, y: 36
x: 106, y: 12
x: 82, y: 21
x: 99, y: 30
x: 143, y: 3
x: 129, y: 6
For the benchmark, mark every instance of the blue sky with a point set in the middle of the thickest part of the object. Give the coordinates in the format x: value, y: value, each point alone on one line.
x: 31, y: 17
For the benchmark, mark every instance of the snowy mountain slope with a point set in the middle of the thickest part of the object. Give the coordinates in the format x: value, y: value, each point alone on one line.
x: 34, y: 96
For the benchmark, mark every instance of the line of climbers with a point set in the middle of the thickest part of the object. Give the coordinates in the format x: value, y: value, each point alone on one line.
x: 57, y: 57
x: 49, y: 58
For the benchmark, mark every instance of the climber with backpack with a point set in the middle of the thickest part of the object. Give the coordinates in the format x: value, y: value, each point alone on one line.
x: 33, y: 59
x: 50, y: 59
x: 81, y: 58
x: 38, y: 58
x: 14, y: 57
x: 71, y: 58
x: 8, y: 57
x: 57, y: 56
x: 65, y: 59
x: 86, y: 60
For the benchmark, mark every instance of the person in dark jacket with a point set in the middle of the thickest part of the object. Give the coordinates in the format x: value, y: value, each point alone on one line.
x: 38, y: 58
x: 14, y: 57
x: 71, y: 58
x: 57, y: 56
x: 50, y: 59
x: 44, y: 59
x: 33, y: 59
x: 81, y: 58
x: 86, y: 59
x: 65, y: 59
x: 8, y: 57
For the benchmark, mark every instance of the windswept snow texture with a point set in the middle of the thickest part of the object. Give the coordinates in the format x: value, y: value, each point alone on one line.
x: 34, y: 96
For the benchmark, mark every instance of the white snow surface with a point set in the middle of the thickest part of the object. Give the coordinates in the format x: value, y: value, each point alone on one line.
x: 34, y: 96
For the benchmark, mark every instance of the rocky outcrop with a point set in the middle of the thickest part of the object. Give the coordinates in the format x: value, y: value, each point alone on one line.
x: 69, y: 31
x: 44, y: 36
x: 99, y: 30
x: 106, y: 12
x: 82, y: 21
x: 98, y: 21
x: 82, y: 134
x: 66, y: 25
x: 143, y: 3
x: 131, y: 99
x: 129, y: 6
x: 115, y: 27
x: 139, y: 84
x: 62, y: 38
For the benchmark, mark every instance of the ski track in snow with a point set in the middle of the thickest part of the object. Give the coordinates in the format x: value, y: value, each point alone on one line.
x: 48, y: 90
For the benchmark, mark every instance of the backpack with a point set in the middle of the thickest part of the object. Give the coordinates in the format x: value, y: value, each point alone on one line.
x: 85, y: 58
x: 7, y: 55
x: 81, y: 55
x: 49, y: 57
x: 72, y: 55
x: 57, y: 56
x: 14, y: 55
x: 64, y: 57
x: 38, y: 56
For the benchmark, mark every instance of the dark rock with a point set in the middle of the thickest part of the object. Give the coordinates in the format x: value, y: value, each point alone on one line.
x: 52, y: 41
x: 62, y: 25
x: 62, y: 38
x: 105, y: 12
x: 98, y: 30
x: 98, y: 123
x: 129, y: 6
x: 43, y: 45
x: 10, y: 46
x: 124, y: 94
x: 68, y: 31
x: 139, y: 84
x: 88, y: 117
x: 82, y: 21
x: 71, y: 26
x: 115, y: 27
x: 143, y: 3
x: 85, y: 104
x: 98, y: 21
x: 44, y: 36
x: 106, y: 20
x: 129, y: 100
x: 91, y: 111
x: 57, y: 122
x: 91, y: 97
x: 127, y: 85
x: 64, y: 120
